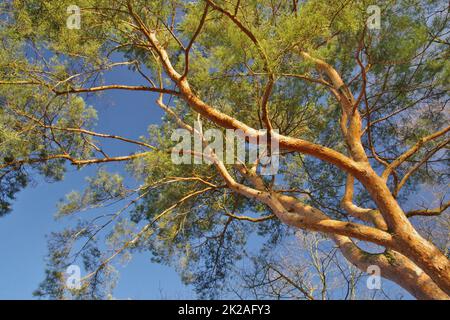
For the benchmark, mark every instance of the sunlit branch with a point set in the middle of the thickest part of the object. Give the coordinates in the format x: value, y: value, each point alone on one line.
x: 116, y: 87
x: 412, y: 151
x: 429, y: 212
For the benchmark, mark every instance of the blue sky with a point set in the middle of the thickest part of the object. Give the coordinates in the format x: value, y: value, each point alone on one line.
x: 23, y: 242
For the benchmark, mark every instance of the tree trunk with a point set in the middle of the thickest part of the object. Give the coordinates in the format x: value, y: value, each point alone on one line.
x: 407, y: 240
x: 395, y: 267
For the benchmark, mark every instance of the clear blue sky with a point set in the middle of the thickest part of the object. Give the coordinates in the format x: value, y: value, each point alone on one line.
x: 23, y: 242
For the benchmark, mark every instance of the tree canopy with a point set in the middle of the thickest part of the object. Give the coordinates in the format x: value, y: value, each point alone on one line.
x: 360, y: 115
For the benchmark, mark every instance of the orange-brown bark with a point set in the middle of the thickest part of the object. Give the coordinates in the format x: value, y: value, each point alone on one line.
x: 419, y: 266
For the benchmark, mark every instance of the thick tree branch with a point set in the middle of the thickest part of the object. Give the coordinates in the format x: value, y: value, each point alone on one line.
x: 225, y: 121
x: 369, y: 215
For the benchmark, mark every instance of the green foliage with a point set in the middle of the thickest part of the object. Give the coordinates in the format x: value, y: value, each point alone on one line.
x: 104, y: 187
x: 409, y: 70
